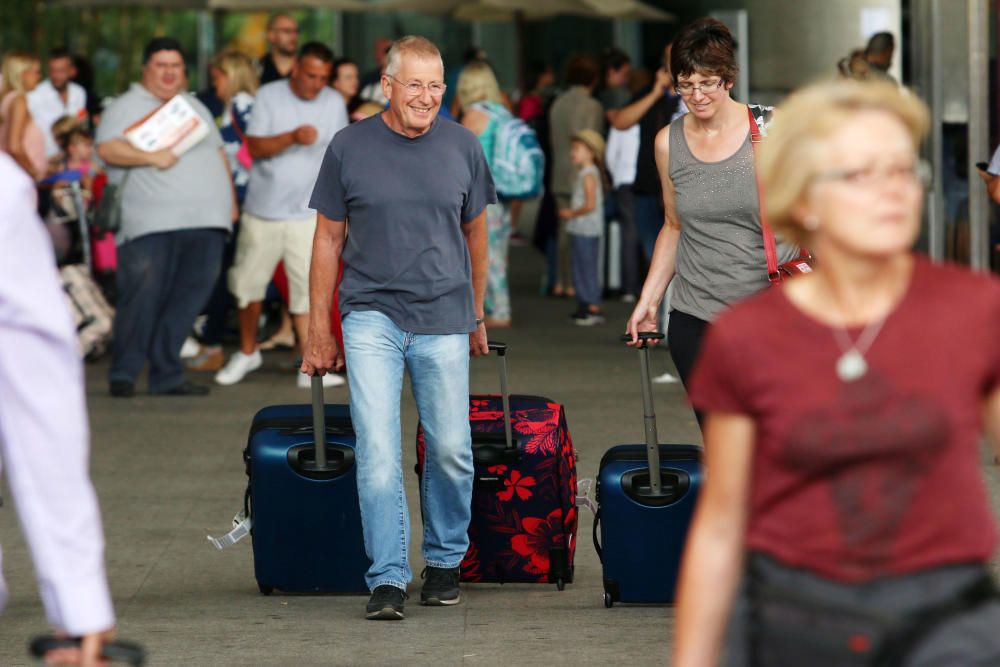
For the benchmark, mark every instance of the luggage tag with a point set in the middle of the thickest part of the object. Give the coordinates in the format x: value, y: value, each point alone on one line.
x: 583, y: 487
x: 241, y: 528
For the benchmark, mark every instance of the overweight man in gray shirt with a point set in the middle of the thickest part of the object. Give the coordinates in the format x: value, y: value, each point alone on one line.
x: 414, y: 191
x: 176, y: 213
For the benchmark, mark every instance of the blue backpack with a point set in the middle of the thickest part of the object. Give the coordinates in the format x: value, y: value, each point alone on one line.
x: 517, y: 163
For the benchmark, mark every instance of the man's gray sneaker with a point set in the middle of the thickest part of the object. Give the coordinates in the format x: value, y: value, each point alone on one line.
x: 440, y: 587
x: 385, y: 604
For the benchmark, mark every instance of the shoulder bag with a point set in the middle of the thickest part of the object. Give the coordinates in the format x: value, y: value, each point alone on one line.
x: 775, y: 272
x: 799, y: 626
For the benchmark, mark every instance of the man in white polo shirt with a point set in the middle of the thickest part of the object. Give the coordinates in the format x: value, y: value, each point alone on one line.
x: 293, y: 121
x: 56, y: 97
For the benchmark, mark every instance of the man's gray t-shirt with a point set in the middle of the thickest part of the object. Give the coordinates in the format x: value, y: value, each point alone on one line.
x: 279, y: 186
x: 194, y: 193
x: 405, y: 201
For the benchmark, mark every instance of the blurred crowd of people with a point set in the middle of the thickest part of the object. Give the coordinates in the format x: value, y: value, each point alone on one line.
x: 602, y: 121
x: 213, y: 254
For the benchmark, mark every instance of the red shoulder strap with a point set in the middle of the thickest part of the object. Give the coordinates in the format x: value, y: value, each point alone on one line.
x: 236, y: 124
x: 770, y: 247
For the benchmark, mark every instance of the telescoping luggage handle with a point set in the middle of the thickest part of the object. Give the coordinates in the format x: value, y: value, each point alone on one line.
x: 649, y: 417
x: 501, y: 350
x: 315, y: 461
x: 319, y: 424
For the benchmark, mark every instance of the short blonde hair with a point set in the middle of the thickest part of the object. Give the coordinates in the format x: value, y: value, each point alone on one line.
x: 239, y: 70
x: 477, y: 83
x: 412, y: 45
x: 15, y: 64
x: 795, y: 149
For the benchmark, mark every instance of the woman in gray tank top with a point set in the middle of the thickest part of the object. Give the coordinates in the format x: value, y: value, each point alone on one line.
x: 710, y: 248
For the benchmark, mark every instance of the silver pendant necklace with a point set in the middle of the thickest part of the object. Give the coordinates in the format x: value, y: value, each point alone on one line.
x: 851, y: 365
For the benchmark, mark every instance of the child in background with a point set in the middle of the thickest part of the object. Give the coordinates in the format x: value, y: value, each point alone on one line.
x: 586, y: 224
x: 77, y: 149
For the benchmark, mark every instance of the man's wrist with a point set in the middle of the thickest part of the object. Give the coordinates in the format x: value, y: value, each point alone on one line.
x: 480, y: 320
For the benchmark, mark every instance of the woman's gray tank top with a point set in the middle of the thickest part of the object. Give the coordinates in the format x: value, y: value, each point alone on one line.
x: 720, y: 255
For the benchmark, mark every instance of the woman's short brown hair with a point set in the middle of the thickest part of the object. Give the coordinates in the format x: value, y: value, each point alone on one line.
x: 705, y: 47
x: 795, y: 149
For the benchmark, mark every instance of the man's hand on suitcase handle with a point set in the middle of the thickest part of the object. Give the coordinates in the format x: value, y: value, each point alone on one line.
x: 322, y: 355
x: 642, y: 338
x: 478, y: 345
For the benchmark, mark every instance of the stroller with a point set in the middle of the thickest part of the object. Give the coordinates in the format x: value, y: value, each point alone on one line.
x: 86, y: 258
x: 66, y: 206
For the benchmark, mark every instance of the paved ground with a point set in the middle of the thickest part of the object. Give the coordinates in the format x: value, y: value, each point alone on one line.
x: 168, y: 472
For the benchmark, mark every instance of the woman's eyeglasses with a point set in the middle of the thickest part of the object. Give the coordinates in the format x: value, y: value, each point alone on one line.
x: 705, y: 88
x: 916, y: 173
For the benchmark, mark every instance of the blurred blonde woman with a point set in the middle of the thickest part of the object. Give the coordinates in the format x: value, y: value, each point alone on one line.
x: 844, y: 411
x: 234, y: 79
x: 481, y: 107
x: 19, y: 136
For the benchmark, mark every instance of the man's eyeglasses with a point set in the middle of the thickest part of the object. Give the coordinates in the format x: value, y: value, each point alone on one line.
x: 414, y: 88
x: 706, y: 87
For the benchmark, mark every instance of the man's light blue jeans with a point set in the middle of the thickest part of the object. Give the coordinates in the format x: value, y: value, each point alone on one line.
x: 376, y: 351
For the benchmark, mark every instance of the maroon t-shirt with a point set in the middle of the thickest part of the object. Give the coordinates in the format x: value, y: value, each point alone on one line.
x: 875, y: 477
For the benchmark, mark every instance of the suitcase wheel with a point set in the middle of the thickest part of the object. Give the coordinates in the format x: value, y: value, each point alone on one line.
x: 265, y: 589
x: 608, y: 600
x: 560, y: 584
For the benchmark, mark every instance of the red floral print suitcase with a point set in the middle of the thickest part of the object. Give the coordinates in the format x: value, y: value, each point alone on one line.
x: 524, y: 520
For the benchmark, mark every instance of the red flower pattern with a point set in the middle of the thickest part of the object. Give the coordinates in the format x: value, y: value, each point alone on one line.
x: 518, y: 484
x: 507, y: 543
x: 538, y: 537
x: 470, y: 565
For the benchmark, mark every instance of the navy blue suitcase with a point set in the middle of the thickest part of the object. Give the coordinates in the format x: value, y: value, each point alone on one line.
x: 643, y: 518
x: 306, y: 520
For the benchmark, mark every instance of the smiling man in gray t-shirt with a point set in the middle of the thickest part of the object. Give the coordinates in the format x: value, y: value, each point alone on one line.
x: 414, y: 189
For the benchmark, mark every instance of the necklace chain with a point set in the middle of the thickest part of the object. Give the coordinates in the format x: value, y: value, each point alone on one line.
x: 864, y: 341
x: 851, y: 365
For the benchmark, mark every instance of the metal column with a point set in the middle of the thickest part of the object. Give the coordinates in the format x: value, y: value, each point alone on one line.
x: 979, y: 132
x: 338, y: 32
x: 927, y: 40
x: 206, y: 46
x: 627, y: 36
x: 738, y: 22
